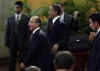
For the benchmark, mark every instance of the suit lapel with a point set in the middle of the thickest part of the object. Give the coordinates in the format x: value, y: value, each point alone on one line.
x: 13, y: 25
x: 13, y: 19
x: 57, y: 21
x: 22, y: 16
x: 97, y: 36
x: 34, y: 36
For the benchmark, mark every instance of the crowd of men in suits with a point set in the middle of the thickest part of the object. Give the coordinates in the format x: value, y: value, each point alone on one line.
x: 31, y: 46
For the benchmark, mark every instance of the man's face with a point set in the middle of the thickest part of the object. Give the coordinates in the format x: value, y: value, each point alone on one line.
x: 32, y: 24
x: 51, y: 12
x: 18, y: 9
x: 93, y: 25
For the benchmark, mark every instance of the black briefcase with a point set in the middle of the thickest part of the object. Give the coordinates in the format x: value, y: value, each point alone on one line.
x: 78, y: 43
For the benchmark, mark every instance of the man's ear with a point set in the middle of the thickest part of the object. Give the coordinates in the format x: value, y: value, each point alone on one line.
x: 63, y: 7
x: 38, y: 24
x: 96, y: 23
x: 56, y: 12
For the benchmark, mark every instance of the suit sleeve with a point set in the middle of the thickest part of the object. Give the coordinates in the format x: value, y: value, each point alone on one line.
x: 55, y: 36
x: 7, y: 33
x: 97, y: 55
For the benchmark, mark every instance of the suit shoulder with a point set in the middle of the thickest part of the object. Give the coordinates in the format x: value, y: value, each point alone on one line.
x: 68, y: 16
x: 25, y: 16
x: 42, y: 33
x: 42, y: 37
x: 9, y: 17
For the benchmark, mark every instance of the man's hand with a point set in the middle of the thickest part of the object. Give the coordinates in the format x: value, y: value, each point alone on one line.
x: 92, y: 35
x: 22, y: 65
x: 55, y: 48
x: 50, y: 15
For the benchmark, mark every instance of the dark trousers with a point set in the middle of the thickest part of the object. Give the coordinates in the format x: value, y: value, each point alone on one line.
x: 13, y: 56
x: 12, y: 59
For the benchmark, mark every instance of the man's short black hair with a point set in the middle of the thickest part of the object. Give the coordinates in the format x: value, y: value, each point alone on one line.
x: 19, y: 3
x: 95, y: 17
x: 59, y: 3
x: 64, y: 60
x: 57, y: 9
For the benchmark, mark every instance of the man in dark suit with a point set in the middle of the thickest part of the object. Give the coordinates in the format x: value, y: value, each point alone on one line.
x: 56, y: 35
x: 94, y: 57
x: 16, y: 35
x: 38, y: 50
x: 66, y: 23
x: 69, y: 20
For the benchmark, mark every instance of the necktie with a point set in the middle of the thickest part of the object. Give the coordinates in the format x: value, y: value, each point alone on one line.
x: 17, y: 19
x: 16, y: 25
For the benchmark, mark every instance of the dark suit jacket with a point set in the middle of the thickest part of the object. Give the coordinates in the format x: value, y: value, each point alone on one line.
x: 94, y: 58
x: 60, y: 32
x: 57, y: 34
x: 11, y: 38
x: 67, y: 25
x: 68, y: 21
x: 49, y: 26
x: 39, y: 52
x: 16, y: 36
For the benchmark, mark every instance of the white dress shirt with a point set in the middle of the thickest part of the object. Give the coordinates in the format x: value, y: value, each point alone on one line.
x: 62, y: 18
x: 54, y: 20
x: 36, y: 30
x: 98, y: 31
x: 18, y: 16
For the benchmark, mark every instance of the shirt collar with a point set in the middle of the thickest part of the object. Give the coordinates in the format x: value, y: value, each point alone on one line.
x: 54, y: 20
x: 20, y: 14
x: 98, y: 31
x: 36, y: 30
x: 62, y: 17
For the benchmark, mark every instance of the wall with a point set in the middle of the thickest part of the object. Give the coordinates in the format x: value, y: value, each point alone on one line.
x: 4, y: 7
x: 39, y: 3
